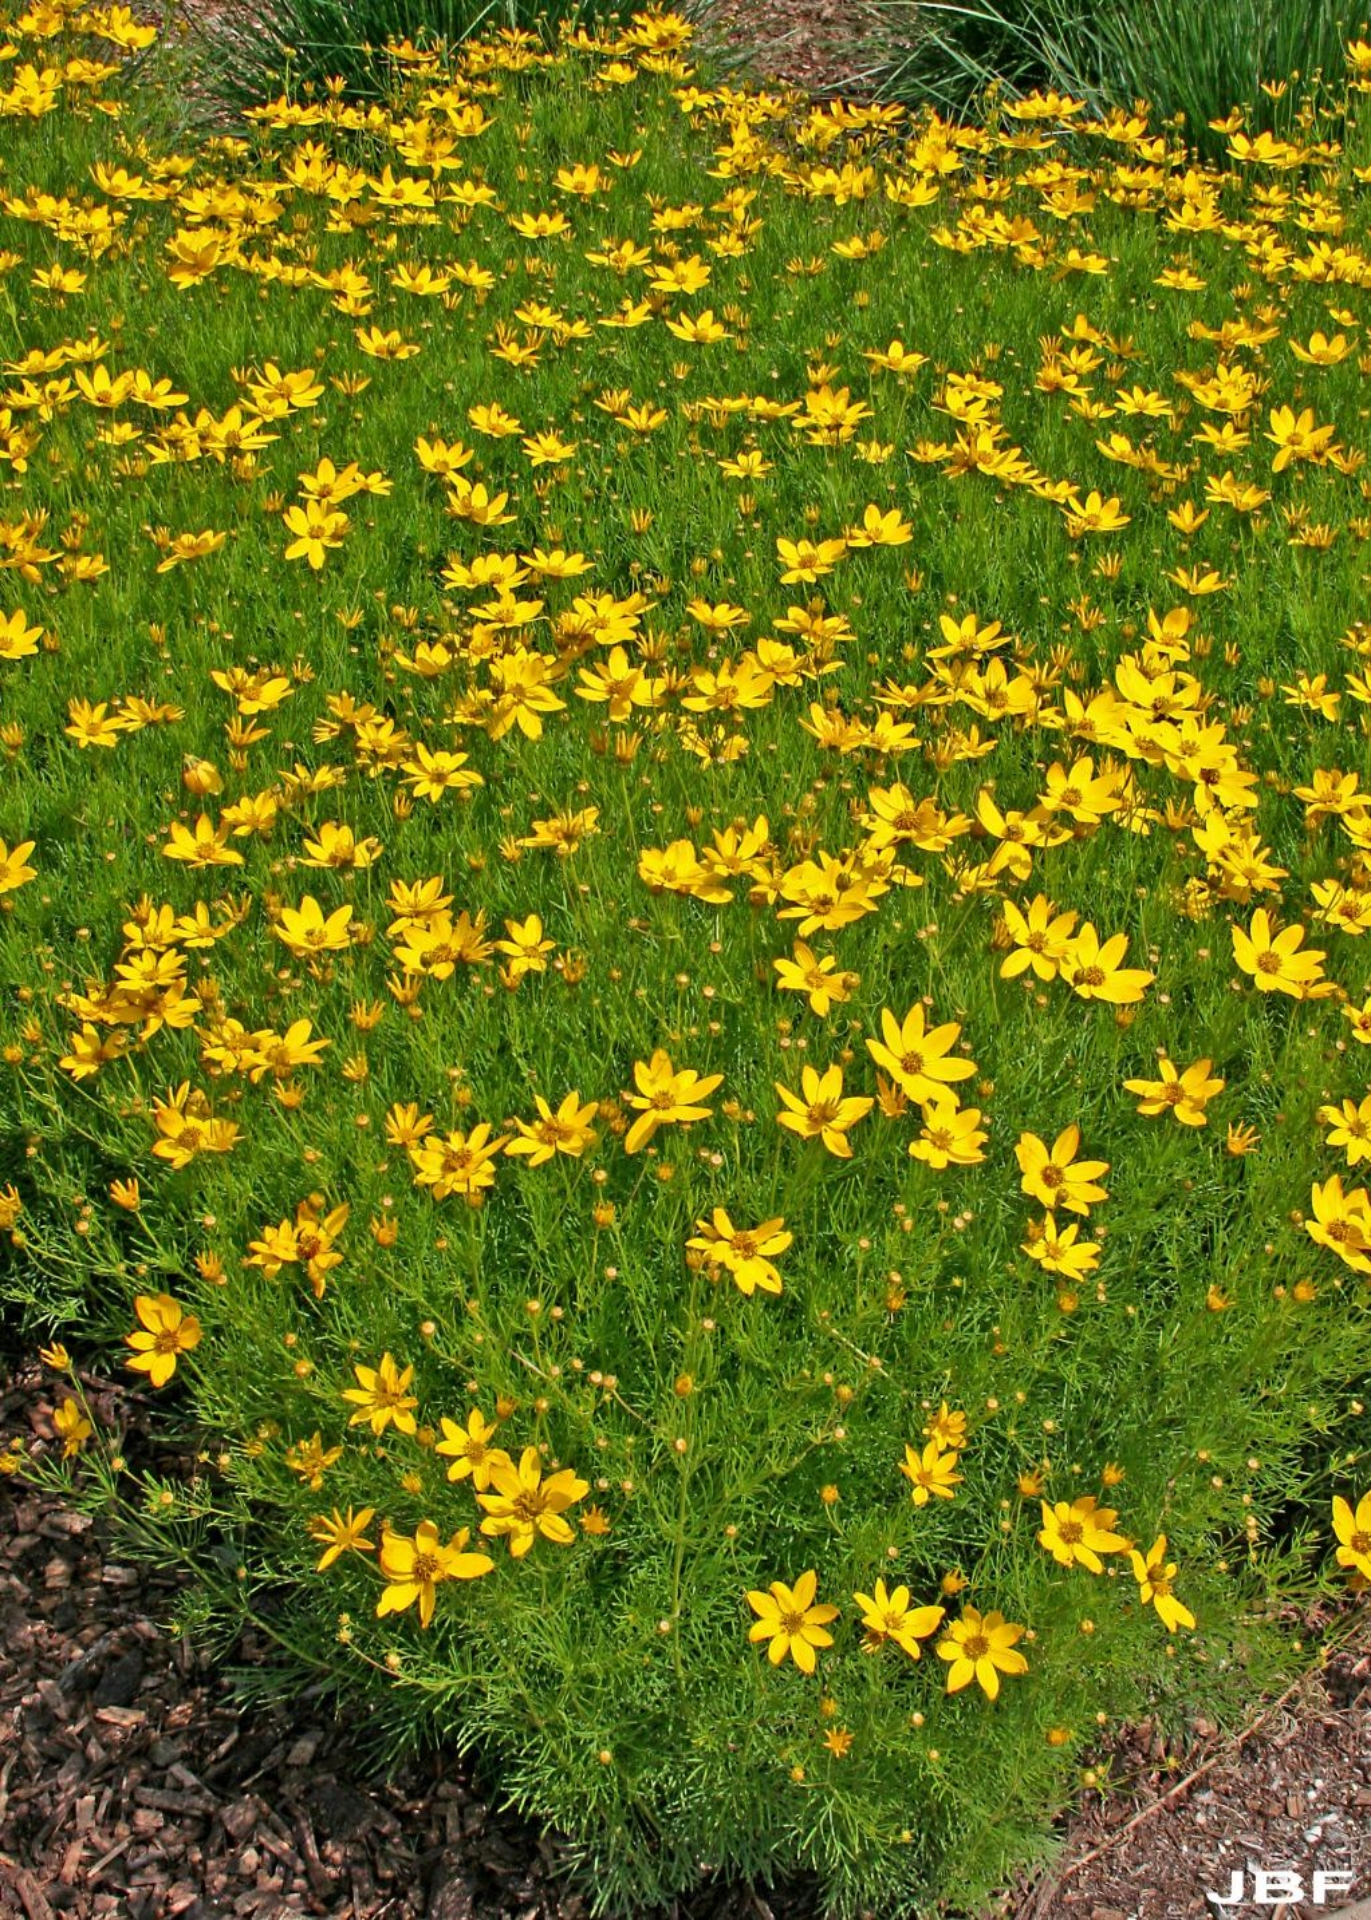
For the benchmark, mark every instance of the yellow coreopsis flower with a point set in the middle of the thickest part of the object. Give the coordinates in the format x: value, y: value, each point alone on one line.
x: 14, y: 872
x: 167, y: 1332
x: 808, y: 560
x: 820, y: 1111
x: 1274, y: 960
x: 981, y: 1647
x: 318, y: 530
x: 384, y: 344
x: 889, y: 529
x: 526, y: 947
x: 18, y: 640
x: 336, y: 846
x: 382, y: 1398
x: 1060, y: 1250
x: 73, y: 1428
x: 951, y: 1136
x: 666, y: 1097
x: 340, y: 1533
x: 791, y: 1622
x: 524, y: 1505
x: 745, y: 1253
x: 568, y: 1130
x: 918, y: 1058
x: 1154, y: 1575
x: 306, y: 930
x: 889, y: 1616
x: 470, y: 1451
x: 460, y: 1163
x: 1057, y: 1178
x: 206, y: 846
x: 93, y: 725
x: 414, y: 1567
x: 432, y: 772
x: 815, y: 974
x: 1096, y: 972
x: 1077, y: 1532
x: 1342, y: 1222
x: 1183, y: 1094
x: 1353, y: 1529
x: 1351, y: 1128
x: 932, y: 1473
x: 1042, y: 938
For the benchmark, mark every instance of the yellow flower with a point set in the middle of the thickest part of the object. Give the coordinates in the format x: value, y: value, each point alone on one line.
x: 460, y: 1163
x: 807, y: 560
x: 1183, y: 1094
x: 1274, y: 960
x: 818, y: 975
x: 93, y: 726
x: 1060, y: 1249
x: 381, y: 1397
x: 1354, y: 1534
x: 387, y: 345
x: 743, y: 1253
x: 13, y: 872
x: 1042, y: 939
x: 821, y: 1112
x: 567, y: 1131
x: 470, y: 1451
x: 207, y: 846
x: 167, y: 1332
x: 432, y: 773
x: 1058, y: 1178
x: 190, y: 546
x: 335, y: 845
x: 951, y: 1136
x: 307, y: 930
x: 1360, y: 1021
x: 414, y: 1567
x: 1351, y: 1129
x: 981, y: 1648
x: 1342, y: 1222
x: 931, y: 1473
x: 790, y: 1621
x: 341, y: 1533
x: 1077, y: 1533
x: 1096, y: 972
x: 666, y: 1097
x: 1154, y: 1576
x: 73, y: 1428
x: 526, y: 947
x: 889, y: 529
x: 1094, y: 514
x: 889, y: 1616
x: 918, y: 1058
x: 18, y: 640
x: 311, y: 1459
x: 1298, y: 438
x: 525, y: 1505
x: 318, y: 530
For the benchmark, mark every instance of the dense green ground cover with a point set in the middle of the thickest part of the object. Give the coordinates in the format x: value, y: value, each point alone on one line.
x: 683, y: 773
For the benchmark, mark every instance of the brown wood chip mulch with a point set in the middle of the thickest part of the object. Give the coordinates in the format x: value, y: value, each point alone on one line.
x: 133, y: 1786
x: 827, y: 47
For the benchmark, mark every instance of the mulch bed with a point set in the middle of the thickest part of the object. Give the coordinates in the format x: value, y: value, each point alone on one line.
x: 827, y: 47
x: 133, y: 1785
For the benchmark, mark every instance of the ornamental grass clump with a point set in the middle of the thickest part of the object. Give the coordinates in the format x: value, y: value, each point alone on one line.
x: 684, y: 877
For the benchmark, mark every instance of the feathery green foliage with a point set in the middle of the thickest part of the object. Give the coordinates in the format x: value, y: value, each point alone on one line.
x: 556, y: 631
